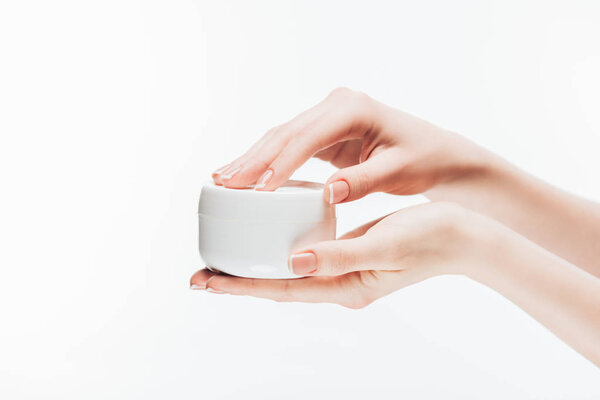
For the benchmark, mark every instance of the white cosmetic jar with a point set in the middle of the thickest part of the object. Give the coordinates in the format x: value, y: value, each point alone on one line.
x: 250, y: 233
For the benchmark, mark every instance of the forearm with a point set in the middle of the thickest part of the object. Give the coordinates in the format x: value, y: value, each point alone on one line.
x: 565, y: 224
x: 559, y: 295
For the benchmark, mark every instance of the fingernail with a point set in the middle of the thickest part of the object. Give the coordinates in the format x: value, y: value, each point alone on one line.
x: 211, y: 290
x: 230, y: 173
x: 338, y: 191
x: 264, y: 179
x: 221, y: 170
x: 197, y: 287
x: 303, y: 264
x: 226, y: 170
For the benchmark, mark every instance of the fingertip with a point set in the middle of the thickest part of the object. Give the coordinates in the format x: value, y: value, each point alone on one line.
x: 199, y: 280
x: 303, y: 264
x: 247, y: 176
x: 216, y: 175
x: 355, y: 182
x: 336, y: 191
x: 219, y: 171
x: 264, y: 182
x: 217, y: 179
x: 223, y: 174
x: 229, y: 173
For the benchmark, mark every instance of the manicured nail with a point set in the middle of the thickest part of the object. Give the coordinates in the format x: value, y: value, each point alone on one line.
x: 338, y: 191
x: 221, y: 170
x: 227, y: 169
x: 230, y: 173
x: 264, y: 179
x: 211, y: 290
x: 193, y: 286
x: 303, y: 264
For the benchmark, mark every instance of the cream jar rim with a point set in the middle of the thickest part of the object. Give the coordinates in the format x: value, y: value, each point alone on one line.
x: 303, y: 203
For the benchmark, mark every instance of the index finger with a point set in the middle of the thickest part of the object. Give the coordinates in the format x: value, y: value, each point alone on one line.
x: 348, y: 118
x: 249, y: 167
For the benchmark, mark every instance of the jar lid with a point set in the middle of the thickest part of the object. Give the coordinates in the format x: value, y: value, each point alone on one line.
x: 294, y: 201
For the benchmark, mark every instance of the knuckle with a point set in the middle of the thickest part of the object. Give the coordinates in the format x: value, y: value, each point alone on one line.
x: 299, y: 139
x: 333, y: 261
x: 272, y: 134
x: 286, y: 131
x: 360, y: 98
x: 281, y: 130
x: 341, y: 91
x: 362, y: 182
x: 358, y: 301
x: 448, y: 216
x: 360, y: 103
x: 341, y: 261
x: 352, y: 96
x: 300, y: 146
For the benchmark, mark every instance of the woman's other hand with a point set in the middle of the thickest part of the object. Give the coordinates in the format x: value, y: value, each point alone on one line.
x: 375, y: 259
x: 376, y: 147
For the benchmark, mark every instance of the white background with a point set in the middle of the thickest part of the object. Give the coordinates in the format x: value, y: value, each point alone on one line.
x: 112, y: 113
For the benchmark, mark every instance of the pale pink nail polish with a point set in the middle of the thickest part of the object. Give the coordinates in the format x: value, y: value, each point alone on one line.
x: 303, y: 263
x: 221, y: 170
x: 264, y: 179
x: 230, y: 173
x: 211, y: 290
x: 338, y: 191
x: 197, y: 287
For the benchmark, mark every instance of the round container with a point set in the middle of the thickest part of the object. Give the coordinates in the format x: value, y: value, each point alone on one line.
x: 251, y: 233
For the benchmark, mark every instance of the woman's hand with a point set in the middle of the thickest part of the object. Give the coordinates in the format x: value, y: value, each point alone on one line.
x: 374, y: 260
x: 427, y: 240
x: 381, y: 149
x: 378, y: 148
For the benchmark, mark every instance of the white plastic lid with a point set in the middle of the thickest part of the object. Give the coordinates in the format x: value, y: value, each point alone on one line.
x: 294, y: 201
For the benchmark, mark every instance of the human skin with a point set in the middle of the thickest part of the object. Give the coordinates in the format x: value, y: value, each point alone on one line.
x: 509, y: 222
x: 432, y: 239
x: 382, y: 149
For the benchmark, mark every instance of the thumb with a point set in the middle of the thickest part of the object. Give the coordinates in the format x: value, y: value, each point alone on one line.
x: 357, y: 181
x: 338, y: 257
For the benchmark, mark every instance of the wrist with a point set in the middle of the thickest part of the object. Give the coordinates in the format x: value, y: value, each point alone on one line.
x: 468, y: 172
x: 461, y: 242
x: 493, y: 249
x: 483, y: 247
x: 468, y: 161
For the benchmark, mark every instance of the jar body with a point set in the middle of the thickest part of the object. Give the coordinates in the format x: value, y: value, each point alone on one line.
x: 257, y: 249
